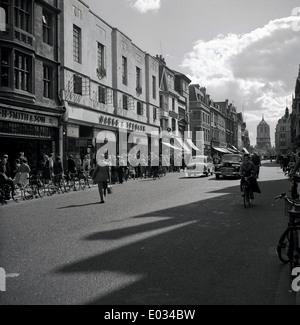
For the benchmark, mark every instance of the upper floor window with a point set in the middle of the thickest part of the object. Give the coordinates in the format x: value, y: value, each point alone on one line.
x: 125, y: 102
x: 47, y: 81
x: 77, y: 44
x: 140, y: 109
x: 23, y: 71
x: 138, y: 78
x: 124, y: 70
x: 47, y: 28
x: 4, y: 14
x: 77, y: 85
x: 23, y: 15
x: 102, y: 95
x: 154, y: 87
x: 5, y: 67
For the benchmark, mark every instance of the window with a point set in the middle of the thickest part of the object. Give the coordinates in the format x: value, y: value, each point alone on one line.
x: 22, y: 69
x: 140, y: 110
x: 124, y: 70
x: 125, y: 102
x: 77, y: 85
x: 23, y: 15
x: 47, y: 78
x: 173, y: 125
x: 47, y: 28
x: 154, y: 114
x: 4, y: 14
x: 173, y: 104
x: 138, y: 79
x: 5, y: 67
x: 77, y: 44
x: 101, y: 56
x: 102, y: 95
x: 154, y: 87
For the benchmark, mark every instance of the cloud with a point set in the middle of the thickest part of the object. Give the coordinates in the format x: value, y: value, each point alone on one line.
x: 144, y: 6
x: 256, y: 70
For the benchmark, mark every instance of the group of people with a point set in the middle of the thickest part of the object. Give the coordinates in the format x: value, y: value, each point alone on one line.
x: 19, y: 174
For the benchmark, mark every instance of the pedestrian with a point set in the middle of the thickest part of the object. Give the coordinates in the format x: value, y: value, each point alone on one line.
x: 71, y: 165
x: 78, y: 163
x: 87, y: 164
x: 16, y: 172
x: 24, y: 170
x: 46, y: 174
x: 101, y: 176
x: 58, y: 170
x: 4, y: 178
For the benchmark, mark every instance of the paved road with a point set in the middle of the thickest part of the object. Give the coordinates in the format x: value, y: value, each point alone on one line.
x: 175, y: 241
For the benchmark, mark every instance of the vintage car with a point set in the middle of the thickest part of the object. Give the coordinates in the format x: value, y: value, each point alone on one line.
x: 230, y: 166
x: 199, y: 166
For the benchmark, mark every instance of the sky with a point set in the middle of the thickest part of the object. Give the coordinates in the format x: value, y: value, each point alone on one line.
x: 246, y: 51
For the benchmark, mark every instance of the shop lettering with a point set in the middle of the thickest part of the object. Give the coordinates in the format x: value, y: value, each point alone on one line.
x: 25, y: 117
x: 109, y: 121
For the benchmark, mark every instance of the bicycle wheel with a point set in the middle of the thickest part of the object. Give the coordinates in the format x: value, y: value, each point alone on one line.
x: 41, y: 190
x: 28, y: 192
x: 17, y: 195
x: 283, y: 247
x: 66, y: 186
x: 2, y: 197
x: 76, y: 184
x: 82, y: 184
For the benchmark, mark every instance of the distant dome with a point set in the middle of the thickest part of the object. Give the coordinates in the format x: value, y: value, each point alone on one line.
x: 263, y: 123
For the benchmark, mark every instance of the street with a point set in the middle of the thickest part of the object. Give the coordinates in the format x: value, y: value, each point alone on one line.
x: 174, y: 241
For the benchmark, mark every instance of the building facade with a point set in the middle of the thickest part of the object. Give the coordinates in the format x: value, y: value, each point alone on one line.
x: 283, y: 134
x: 109, y: 86
x: 295, y: 116
x: 31, y: 112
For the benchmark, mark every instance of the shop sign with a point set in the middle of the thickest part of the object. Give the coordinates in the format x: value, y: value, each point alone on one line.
x: 117, y: 123
x: 25, y: 117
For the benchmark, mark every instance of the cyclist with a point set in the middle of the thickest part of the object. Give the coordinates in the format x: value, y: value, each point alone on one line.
x: 248, y: 169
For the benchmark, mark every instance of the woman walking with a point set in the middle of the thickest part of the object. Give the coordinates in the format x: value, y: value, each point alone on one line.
x: 101, y: 176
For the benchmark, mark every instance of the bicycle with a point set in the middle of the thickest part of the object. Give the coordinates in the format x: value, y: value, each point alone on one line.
x: 35, y: 188
x: 288, y: 248
x: 74, y: 182
x: 6, y: 194
x: 246, y: 192
x: 59, y: 185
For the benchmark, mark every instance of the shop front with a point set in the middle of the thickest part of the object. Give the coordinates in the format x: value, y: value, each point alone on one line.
x: 26, y: 131
x: 88, y: 131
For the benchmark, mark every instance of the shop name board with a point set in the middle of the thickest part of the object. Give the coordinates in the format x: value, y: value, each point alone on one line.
x: 110, y: 121
x: 27, y: 117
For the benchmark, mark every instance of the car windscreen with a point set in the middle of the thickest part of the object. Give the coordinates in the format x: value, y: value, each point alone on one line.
x: 232, y: 158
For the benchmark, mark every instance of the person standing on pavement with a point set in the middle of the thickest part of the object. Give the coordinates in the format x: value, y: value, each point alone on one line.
x: 24, y: 170
x: 101, y: 176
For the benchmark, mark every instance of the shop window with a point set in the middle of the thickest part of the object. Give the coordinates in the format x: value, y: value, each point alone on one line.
x: 47, y: 28
x: 23, y: 71
x: 23, y: 14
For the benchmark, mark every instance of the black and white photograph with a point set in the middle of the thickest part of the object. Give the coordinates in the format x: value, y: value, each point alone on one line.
x: 150, y: 155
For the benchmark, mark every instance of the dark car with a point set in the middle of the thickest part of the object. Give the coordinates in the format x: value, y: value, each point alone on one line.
x: 230, y: 166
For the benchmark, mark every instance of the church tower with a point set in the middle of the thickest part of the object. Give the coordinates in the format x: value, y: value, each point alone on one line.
x: 263, y: 135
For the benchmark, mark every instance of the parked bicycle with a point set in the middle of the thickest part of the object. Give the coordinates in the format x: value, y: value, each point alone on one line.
x: 288, y: 248
x: 34, y: 188
x: 6, y: 194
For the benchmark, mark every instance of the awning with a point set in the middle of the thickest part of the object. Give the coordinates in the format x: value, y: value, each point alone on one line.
x: 246, y: 151
x: 184, y: 146
x: 171, y: 146
x: 191, y: 144
x: 222, y: 150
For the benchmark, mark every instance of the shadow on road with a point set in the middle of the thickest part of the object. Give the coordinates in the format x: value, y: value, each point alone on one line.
x: 78, y: 206
x: 213, y: 251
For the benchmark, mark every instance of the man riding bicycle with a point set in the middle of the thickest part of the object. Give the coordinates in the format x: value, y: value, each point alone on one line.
x: 257, y: 163
x: 248, y: 169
